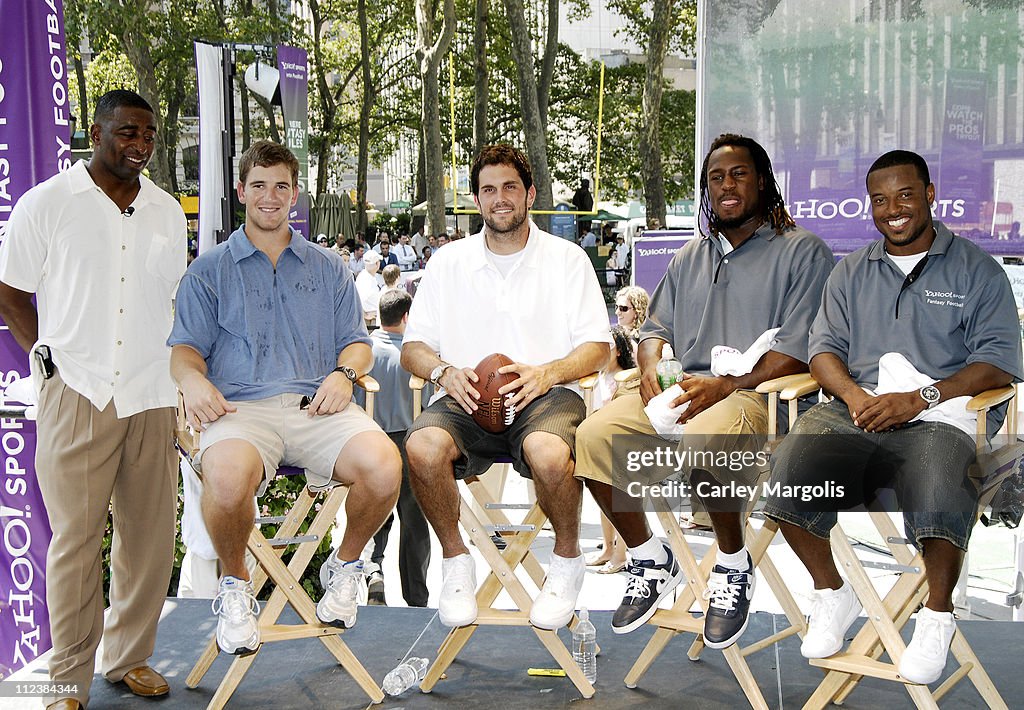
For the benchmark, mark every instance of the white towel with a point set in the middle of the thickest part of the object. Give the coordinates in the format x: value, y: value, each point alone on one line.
x: 193, y: 528
x: 663, y: 419
x: 897, y: 374
x: 726, y: 360
x: 23, y: 390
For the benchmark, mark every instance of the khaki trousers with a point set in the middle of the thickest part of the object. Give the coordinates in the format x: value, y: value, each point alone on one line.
x: 88, y: 462
x: 606, y: 438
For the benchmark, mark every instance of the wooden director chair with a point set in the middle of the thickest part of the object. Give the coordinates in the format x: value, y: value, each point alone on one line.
x: 678, y: 619
x: 887, y: 616
x: 503, y: 565
x: 288, y: 590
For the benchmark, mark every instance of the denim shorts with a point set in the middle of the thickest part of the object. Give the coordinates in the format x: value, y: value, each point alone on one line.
x: 827, y: 464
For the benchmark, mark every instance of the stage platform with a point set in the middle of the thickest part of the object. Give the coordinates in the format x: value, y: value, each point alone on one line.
x: 492, y: 671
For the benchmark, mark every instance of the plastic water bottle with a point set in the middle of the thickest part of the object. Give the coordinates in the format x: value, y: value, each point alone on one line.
x: 584, y: 646
x: 669, y: 369
x: 408, y: 674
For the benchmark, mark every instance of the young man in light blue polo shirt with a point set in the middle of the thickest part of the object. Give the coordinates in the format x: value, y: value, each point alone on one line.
x: 933, y: 303
x: 268, y: 342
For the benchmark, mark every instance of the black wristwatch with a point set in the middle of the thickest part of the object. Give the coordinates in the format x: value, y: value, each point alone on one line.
x: 930, y: 394
x: 347, y: 372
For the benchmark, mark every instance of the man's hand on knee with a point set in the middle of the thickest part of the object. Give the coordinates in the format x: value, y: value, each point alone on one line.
x: 203, y: 402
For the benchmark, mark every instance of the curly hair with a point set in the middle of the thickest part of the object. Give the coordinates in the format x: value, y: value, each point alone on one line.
x: 639, y: 300
x: 623, y: 347
x: 774, y: 205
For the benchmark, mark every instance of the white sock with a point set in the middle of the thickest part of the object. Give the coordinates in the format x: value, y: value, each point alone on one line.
x: 733, y: 560
x: 650, y: 550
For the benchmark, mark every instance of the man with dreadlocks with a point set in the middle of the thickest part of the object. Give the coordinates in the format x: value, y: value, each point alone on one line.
x: 751, y: 271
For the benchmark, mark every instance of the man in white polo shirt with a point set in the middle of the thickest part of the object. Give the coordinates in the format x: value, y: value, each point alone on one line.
x: 102, y: 248
x: 516, y: 290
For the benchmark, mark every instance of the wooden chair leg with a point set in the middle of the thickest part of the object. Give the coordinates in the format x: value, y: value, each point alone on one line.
x: 288, y: 591
x: 502, y: 576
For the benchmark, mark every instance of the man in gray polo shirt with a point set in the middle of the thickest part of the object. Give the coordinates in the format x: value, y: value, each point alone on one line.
x: 268, y: 341
x: 941, y: 306
x: 393, y: 412
x: 754, y: 270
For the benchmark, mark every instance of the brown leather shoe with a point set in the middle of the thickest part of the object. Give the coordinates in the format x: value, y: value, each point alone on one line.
x: 65, y: 704
x: 146, y: 682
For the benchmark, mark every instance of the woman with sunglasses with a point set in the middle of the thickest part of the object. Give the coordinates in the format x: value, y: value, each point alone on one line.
x: 631, y: 310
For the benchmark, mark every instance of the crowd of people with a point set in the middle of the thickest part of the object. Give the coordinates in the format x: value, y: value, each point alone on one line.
x: 269, y: 334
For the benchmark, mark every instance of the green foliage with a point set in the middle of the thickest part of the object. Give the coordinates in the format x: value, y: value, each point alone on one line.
x: 398, y: 223
x: 162, y: 34
x: 576, y: 109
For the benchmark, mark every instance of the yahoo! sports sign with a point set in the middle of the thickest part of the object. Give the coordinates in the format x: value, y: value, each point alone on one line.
x: 34, y: 145
x: 826, y: 99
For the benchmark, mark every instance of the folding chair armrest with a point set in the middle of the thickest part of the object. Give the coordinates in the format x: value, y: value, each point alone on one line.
x: 991, y: 398
x: 587, y: 384
x: 631, y: 373
x: 416, y: 384
x: 369, y: 384
x: 788, y: 388
x: 780, y: 384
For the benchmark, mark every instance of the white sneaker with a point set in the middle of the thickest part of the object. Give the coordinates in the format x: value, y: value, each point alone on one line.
x: 554, y: 606
x: 344, y: 585
x: 457, y: 603
x: 238, y: 630
x: 925, y: 657
x: 832, y: 614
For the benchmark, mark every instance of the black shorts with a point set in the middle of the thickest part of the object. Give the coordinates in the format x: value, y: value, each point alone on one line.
x: 558, y: 412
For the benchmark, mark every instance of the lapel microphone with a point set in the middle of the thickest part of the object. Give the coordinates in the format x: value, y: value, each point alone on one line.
x: 128, y: 211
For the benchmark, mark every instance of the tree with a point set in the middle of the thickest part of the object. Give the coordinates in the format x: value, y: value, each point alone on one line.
x: 670, y: 26
x: 155, y: 41
x: 533, y: 95
x: 429, y: 52
x: 654, y: 84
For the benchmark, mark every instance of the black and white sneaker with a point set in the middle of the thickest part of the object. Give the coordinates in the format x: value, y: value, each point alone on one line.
x: 647, y: 585
x: 729, y: 592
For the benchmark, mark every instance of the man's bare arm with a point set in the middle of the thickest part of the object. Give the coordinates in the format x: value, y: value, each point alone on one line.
x: 203, y: 402
x: 705, y: 392
x: 890, y: 410
x: 537, y: 380
x: 420, y: 359
x: 335, y: 392
x: 19, y: 313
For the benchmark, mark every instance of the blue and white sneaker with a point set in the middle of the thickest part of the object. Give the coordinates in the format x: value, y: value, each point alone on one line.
x: 729, y: 592
x: 647, y: 585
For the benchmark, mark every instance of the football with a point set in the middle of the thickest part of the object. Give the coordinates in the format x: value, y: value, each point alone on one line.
x: 493, y: 415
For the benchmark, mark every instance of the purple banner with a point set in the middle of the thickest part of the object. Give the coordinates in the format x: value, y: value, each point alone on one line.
x: 826, y: 99
x: 651, y: 254
x: 292, y: 63
x: 963, y: 133
x: 34, y: 145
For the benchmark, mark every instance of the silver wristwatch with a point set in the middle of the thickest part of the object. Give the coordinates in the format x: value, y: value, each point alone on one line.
x: 435, y: 374
x: 930, y: 394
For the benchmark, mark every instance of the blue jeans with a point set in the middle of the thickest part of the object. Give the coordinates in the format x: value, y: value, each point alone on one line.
x: 925, y: 463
